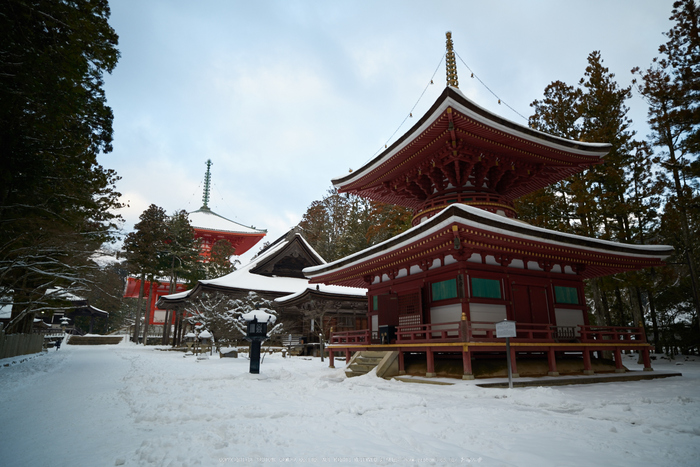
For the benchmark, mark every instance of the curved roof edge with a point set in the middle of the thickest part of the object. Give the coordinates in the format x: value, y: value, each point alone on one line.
x: 452, y: 97
x: 208, y: 212
x: 482, y: 219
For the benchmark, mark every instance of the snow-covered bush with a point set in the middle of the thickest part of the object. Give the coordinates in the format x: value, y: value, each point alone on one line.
x: 221, y: 315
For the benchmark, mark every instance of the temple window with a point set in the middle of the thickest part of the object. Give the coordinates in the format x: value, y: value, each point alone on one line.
x: 486, y: 288
x: 566, y: 295
x: 444, y: 290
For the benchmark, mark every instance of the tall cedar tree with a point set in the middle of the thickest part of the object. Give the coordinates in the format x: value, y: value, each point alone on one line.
x: 671, y: 87
x: 143, y: 250
x: 339, y: 225
x: 179, y: 257
x: 219, y: 263
x: 56, y: 202
x: 600, y: 201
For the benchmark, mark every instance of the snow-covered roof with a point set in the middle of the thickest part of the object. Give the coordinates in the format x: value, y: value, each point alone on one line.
x: 323, y: 289
x: 59, y: 292
x: 245, y: 279
x: 495, y: 224
x: 206, y: 219
x: 5, y: 310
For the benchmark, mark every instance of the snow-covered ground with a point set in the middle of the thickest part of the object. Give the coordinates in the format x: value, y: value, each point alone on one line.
x: 130, y: 405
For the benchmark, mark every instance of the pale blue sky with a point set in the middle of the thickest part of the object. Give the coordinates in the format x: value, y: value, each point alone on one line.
x: 282, y: 96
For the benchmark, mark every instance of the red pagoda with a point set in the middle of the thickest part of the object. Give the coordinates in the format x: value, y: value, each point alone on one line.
x: 436, y: 291
x: 210, y: 227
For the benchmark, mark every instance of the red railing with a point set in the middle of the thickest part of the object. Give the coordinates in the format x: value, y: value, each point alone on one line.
x: 612, y: 333
x: 351, y: 337
x: 442, y: 332
x: 482, y: 331
x: 530, y: 332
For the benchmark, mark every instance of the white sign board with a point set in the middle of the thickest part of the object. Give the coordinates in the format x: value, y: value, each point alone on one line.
x: 505, y: 328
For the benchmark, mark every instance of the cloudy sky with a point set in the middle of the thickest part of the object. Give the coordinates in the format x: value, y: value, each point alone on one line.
x: 283, y: 96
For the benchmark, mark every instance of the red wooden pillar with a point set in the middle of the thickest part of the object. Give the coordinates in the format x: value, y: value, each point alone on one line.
x: 618, y: 361
x: 513, y: 364
x: 402, y: 369
x: 348, y: 355
x: 647, y: 360
x: 330, y: 359
x: 463, y: 330
x: 552, y: 360
x: 467, y: 363
x: 587, y: 368
x: 430, y: 372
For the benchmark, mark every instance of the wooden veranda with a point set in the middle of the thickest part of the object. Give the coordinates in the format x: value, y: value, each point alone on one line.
x: 470, y: 338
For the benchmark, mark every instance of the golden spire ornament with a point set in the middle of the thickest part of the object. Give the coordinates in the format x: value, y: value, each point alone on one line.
x: 451, y: 62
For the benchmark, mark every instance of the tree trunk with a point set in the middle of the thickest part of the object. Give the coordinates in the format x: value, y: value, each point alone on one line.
x: 182, y: 327
x: 137, y: 319
x: 176, y: 331
x: 621, y: 319
x: 147, y: 313
x: 636, y: 303
x: 166, y: 327
x: 680, y: 195
x: 654, y: 320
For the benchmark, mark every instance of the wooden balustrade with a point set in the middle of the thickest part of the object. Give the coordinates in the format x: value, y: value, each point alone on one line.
x: 482, y: 331
x: 612, y: 333
x: 351, y: 337
x: 443, y: 332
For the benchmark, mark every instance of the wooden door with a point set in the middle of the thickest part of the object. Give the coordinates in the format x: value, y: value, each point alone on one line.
x: 521, y: 304
x: 530, y: 304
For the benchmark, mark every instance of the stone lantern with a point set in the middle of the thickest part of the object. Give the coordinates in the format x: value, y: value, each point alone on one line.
x: 256, y: 332
x: 206, y: 341
x: 190, y: 339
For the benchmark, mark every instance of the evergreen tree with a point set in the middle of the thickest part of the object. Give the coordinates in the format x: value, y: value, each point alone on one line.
x: 56, y: 202
x: 387, y: 221
x: 339, y: 225
x: 179, y: 257
x: 143, y: 250
x: 614, y: 200
x: 219, y: 263
x: 558, y: 113
x: 671, y: 87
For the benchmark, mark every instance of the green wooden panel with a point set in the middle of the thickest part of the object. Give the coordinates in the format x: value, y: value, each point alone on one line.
x: 444, y: 290
x: 486, y: 288
x: 375, y: 303
x: 567, y: 295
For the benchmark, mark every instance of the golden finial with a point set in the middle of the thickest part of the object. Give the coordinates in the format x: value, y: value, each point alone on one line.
x: 451, y: 63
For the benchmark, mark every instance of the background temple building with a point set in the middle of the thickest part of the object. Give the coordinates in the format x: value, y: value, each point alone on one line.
x: 276, y: 274
x: 209, y: 227
x: 436, y: 290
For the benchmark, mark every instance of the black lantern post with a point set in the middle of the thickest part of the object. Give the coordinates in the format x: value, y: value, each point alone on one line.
x: 256, y: 333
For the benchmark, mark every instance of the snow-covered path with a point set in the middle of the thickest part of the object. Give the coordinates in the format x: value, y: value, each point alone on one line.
x: 130, y: 405
x: 63, y: 408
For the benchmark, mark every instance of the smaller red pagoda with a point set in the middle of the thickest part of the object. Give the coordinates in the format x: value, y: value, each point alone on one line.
x: 210, y: 227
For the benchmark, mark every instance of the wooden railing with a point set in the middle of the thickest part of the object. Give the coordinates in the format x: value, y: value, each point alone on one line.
x: 482, y: 331
x: 442, y: 332
x: 351, y: 337
x: 612, y: 333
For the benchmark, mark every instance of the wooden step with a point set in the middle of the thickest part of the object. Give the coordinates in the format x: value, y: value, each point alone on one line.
x: 364, y: 362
